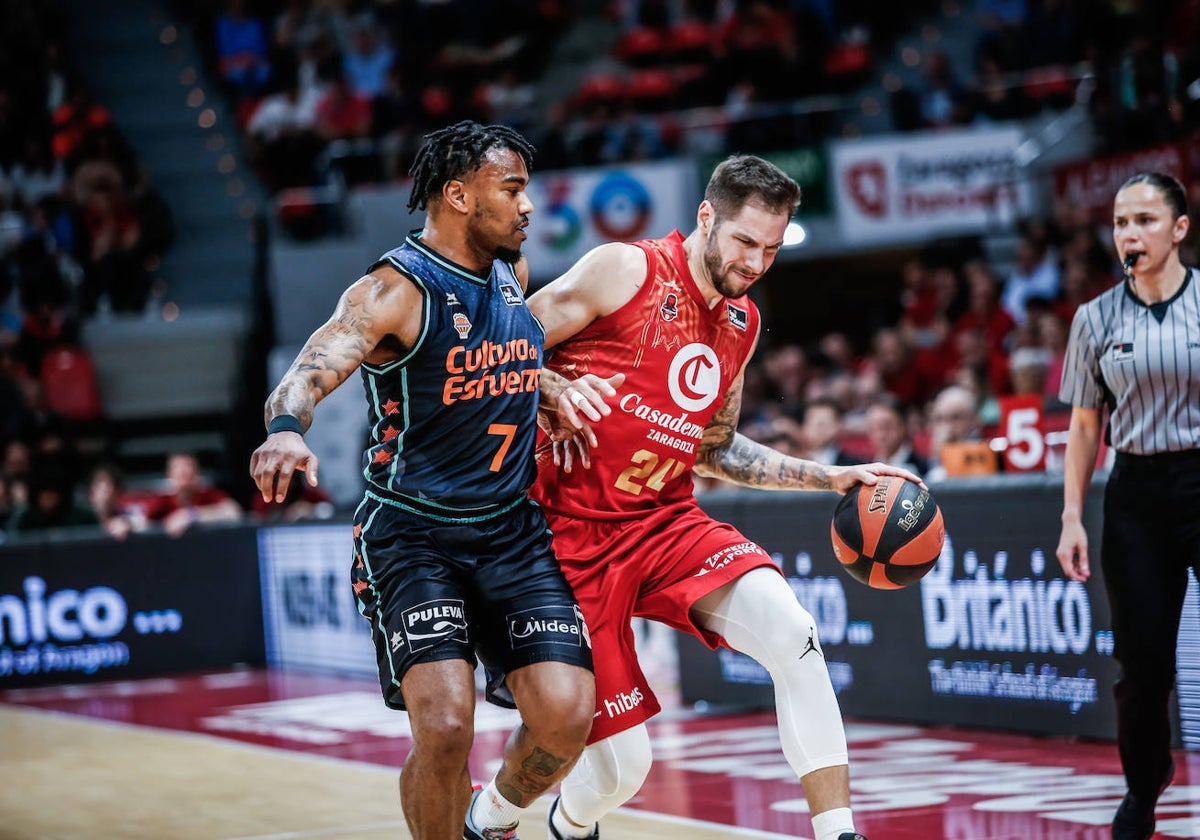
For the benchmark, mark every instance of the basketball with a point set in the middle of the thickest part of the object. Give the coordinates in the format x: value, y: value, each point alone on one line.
x: 887, y: 535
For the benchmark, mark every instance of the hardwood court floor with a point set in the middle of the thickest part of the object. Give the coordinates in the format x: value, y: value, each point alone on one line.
x: 252, y: 755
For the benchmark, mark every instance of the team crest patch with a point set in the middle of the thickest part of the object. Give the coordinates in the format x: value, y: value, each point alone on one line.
x: 669, y: 310
x: 739, y: 317
x: 511, y: 296
x: 1122, y: 352
x: 462, y: 325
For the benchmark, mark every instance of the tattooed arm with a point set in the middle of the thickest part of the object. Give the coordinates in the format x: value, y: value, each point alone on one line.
x: 728, y: 455
x: 376, y: 318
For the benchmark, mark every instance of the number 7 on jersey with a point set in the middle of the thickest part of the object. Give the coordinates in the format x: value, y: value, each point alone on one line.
x: 507, y: 431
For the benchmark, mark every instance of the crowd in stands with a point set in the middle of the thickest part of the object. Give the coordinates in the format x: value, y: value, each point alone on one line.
x: 965, y: 338
x: 350, y: 87
x: 347, y: 87
x: 81, y: 232
x: 79, y: 229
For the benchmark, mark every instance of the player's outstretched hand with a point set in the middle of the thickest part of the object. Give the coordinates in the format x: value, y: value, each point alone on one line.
x: 843, y: 479
x: 272, y: 464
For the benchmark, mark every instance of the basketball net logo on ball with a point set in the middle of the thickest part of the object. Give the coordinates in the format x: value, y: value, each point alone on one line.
x: 888, y: 535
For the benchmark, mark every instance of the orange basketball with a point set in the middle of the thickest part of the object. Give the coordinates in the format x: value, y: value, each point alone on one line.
x: 888, y: 535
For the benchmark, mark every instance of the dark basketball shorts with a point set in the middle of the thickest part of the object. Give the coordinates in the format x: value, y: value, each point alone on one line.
x: 489, y: 590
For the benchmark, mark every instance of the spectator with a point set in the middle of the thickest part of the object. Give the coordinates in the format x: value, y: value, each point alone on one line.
x: 75, y: 120
x: 282, y: 132
x: 14, y: 411
x: 938, y: 102
x: 1028, y: 368
x: 367, y: 62
x: 892, y: 360
x: 787, y: 374
x: 106, y: 492
x: 242, y: 54
x: 821, y: 432
x: 999, y: 97
x: 38, y: 174
x: 942, y: 101
x: 1052, y: 337
x: 342, y: 112
x: 189, y: 498
x: 954, y: 419
x: 1035, y: 275
x: 17, y: 469
x: 887, y: 431
x: 757, y: 43
x: 51, y: 502
x: 395, y: 124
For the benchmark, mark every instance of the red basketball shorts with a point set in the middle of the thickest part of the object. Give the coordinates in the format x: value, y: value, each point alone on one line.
x: 655, y: 567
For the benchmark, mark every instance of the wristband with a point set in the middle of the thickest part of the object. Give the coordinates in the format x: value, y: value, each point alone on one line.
x: 285, y: 423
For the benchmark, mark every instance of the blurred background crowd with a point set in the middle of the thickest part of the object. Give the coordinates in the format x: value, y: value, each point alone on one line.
x: 336, y: 95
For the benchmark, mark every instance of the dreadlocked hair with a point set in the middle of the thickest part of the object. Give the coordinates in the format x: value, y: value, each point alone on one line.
x: 452, y: 152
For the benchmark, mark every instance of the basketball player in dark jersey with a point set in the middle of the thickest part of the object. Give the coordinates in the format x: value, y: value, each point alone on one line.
x: 451, y: 557
x: 672, y: 316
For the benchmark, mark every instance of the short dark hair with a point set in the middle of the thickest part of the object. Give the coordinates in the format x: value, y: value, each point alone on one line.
x: 741, y: 179
x: 1172, y: 191
x: 451, y: 152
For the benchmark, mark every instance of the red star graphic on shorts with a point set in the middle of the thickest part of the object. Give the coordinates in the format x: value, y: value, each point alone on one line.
x: 358, y: 586
x: 391, y: 407
x: 357, y: 531
x: 382, y: 456
x: 390, y: 434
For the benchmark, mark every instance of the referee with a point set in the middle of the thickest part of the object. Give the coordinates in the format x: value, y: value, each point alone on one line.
x: 1136, y: 350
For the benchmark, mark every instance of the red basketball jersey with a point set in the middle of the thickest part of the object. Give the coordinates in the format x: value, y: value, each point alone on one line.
x: 679, y: 358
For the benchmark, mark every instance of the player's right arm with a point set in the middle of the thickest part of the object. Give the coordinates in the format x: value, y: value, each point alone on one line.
x: 375, y: 319
x: 1083, y: 445
x: 601, y: 282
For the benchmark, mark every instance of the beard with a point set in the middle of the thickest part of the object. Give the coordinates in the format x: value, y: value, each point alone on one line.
x: 718, y: 273
x: 508, y: 255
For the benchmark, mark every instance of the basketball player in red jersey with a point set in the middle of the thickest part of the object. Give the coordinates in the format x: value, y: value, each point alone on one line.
x: 672, y: 315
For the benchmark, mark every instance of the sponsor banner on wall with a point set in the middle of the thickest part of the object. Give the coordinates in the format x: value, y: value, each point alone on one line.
x: 904, y: 188
x: 1092, y: 184
x: 576, y: 210
x: 96, y: 609
x: 310, y: 617
x: 994, y: 636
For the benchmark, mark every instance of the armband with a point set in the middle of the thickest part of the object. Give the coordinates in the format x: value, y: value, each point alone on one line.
x: 285, y: 423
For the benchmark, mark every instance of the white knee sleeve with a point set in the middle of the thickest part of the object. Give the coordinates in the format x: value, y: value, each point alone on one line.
x: 760, y: 617
x: 608, y: 774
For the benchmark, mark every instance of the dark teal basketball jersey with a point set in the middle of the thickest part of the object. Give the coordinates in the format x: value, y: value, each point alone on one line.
x: 453, y: 421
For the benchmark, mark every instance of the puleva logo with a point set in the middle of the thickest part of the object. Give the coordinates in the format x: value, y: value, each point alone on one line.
x: 695, y: 377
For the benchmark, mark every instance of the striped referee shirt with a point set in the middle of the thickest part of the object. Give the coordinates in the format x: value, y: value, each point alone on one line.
x: 1143, y: 361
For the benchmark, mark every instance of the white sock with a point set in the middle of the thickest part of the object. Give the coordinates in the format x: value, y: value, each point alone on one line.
x: 830, y: 825
x: 494, y: 811
x: 566, y: 828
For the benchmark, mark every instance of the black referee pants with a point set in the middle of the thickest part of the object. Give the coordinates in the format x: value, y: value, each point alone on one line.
x: 1151, y: 538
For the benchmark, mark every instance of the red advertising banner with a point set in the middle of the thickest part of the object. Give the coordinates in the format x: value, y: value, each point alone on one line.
x: 1094, y: 183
